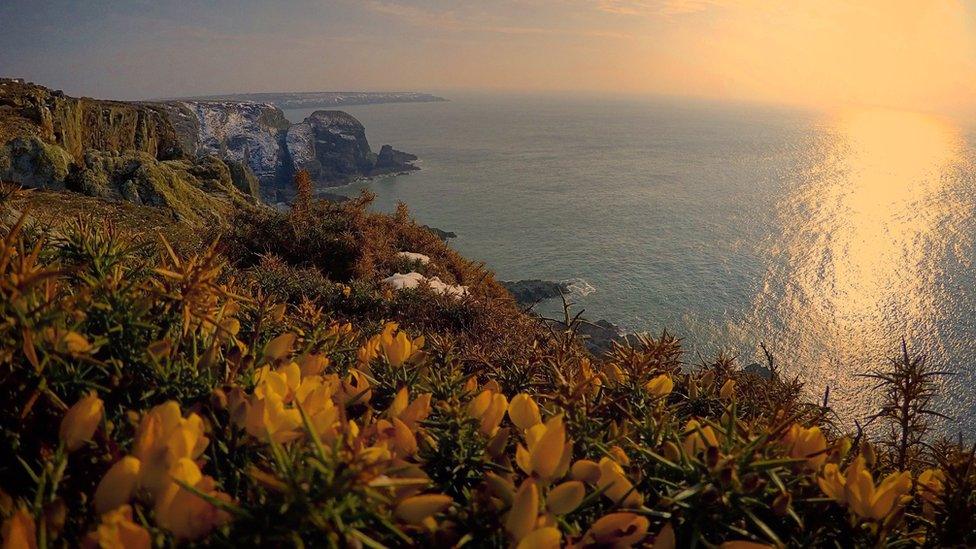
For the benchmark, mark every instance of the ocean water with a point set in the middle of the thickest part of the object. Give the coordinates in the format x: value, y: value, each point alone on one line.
x: 828, y: 236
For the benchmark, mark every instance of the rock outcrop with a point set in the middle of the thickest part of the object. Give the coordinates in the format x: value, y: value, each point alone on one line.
x: 332, y: 146
x: 598, y: 337
x: 114, y: 150
x: 79, y: 124
x: 251, y: 134
x: 194, y: 191
x: 391, y: 160
x: 529, y: 292
x: 32, y: 162
x: 441, y: 233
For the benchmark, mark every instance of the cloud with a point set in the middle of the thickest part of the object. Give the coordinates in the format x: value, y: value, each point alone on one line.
x: 476, y: 21
x: 658, y: 7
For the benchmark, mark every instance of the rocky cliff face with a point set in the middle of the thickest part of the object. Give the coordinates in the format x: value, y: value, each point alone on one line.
x: 332, y: 146
x: 78, y: 124
x: 109, y: 148
x: 138, y: 152
x: 249, y: 133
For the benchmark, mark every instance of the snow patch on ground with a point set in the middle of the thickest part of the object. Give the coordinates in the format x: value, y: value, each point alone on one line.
x: 415, y: 279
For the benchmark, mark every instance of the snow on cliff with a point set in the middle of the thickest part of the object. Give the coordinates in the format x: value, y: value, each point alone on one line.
x: 247, y: 132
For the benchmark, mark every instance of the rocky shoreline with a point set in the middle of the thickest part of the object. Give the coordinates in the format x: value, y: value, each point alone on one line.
x: 530, y: 292
x: 598, y: 336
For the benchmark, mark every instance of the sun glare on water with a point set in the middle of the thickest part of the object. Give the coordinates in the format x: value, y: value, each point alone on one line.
x: 867, y: 236
x: 886, y: 213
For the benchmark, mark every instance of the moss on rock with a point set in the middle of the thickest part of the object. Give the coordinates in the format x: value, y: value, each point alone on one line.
x: 194, y: 191
x: 31, y: 162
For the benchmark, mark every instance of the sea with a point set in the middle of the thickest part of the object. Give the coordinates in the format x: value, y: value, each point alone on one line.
x: 828, y: 237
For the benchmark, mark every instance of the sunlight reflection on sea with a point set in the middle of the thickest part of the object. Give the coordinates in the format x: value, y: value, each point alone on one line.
x: 828, y: 237
x: 866, y: 251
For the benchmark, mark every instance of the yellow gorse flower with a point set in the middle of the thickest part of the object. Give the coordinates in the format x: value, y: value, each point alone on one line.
x: 698, y: 438
x: 19, y: 531
x: 279, y: 347
x: 931, y: 481
x: 415, y: 509
x: 397, y: 347
x: 613, y: 480
x: 75, y: 343
x: 489, y: 407
x: 660, y: 386
x: 163, y: 438
x: 164, y: 452
x: 546, y: 537
x: 368, y: 351
x: 410, y: 413
x: 547, y: 453
x: 856, y: 489
x: 274, y: 410
x: 807, y: 443
x: 727, y: 390
x: 566, y: 497
x: 930, y: 485
x: 185, y: 514
x: 393, y: 344
x: 269, y: 418
x: 524, y: 412
x: 118, y: 531
x: 118, y: 485
x: 522, y: 516
x: 618, y: 530
x: 81, y: 421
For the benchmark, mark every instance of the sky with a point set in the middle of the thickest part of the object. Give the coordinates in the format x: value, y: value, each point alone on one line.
x: 894, y: 53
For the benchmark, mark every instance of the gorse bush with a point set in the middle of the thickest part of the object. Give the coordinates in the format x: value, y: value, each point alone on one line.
x: 231, y: 398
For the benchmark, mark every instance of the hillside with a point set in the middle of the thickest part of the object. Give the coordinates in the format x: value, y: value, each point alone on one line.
x: 181, y: 364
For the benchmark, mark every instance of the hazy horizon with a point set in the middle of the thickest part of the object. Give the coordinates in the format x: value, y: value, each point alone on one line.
x: 911, y: 55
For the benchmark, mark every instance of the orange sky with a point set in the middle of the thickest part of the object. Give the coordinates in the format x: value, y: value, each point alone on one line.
x: 894, y: 53
x: 910, y: 54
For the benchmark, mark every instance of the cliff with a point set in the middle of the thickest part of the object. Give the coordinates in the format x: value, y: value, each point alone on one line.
x: 138, y: 152
x: 79, y: 124
x: 332, y: 146
x: 248, y: 133
x: 167, y: 153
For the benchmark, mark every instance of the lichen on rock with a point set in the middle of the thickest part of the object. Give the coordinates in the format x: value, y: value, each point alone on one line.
x: 31, y: 162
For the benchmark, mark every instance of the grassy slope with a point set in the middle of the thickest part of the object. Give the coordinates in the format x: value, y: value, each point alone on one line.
x: 196, y: 326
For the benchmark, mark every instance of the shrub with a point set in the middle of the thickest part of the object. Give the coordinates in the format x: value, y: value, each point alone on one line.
x: 231, y: 399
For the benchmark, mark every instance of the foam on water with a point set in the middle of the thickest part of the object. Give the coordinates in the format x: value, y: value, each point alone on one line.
x: 580, y: 287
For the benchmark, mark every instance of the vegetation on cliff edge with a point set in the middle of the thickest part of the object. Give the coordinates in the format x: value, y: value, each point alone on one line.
x: 267, y: 389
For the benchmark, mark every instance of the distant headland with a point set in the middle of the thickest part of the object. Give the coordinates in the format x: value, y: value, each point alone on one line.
x: 315, y: 100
